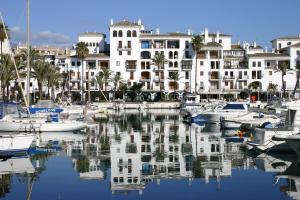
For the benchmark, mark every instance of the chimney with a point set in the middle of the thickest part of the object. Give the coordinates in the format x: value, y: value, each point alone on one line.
x: 254, y: 44
x: 266, y: 49
x: 205, y: 35
x: 189, y: 31
x: 244, y: 45
x: 140, y: 22
x: 111, y: 22
x: 157, y: 31
x: 273, y: 50
x: 218, y: 37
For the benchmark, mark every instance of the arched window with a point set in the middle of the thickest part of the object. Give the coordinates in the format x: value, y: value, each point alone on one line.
x: 87, y: 44
x: 128, y: 33
x: 120, y: 34
x: 133, y: 33
x: 170, y: 55
x: 115, y: 34
x: 176, y: 55
x: 145, y: 55
x: 91, y: 44
x: 175, y: 64
x: 170, y: 64
x: 94, y: 44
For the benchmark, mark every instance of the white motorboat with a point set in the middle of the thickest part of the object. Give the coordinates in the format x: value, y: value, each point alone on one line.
x: 251, y: 119
x: 230, y: 110
x: 273, y: 139
x: 12, y: 143
x: 14, y: 124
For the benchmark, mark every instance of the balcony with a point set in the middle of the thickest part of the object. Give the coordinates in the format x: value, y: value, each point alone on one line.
x: 242, y: 78
x: 187, y: 64
x: 124, y: 48
x: 214, y: 78
x: 226, y: 77
x: 130, y: 65
x: 131, y: 148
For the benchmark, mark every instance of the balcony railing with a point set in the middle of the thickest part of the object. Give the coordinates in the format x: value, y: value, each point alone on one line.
x: 243, y: 77
x: 124, y: 48
x: 131, y: 67
x: 131, y: 148
x: 214, y: 78
x: 229, y: 77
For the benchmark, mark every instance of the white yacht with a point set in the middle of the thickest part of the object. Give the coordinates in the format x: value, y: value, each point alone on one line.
x: 273, y: 139
x: 13, y: 143
x: 229, y: 110
x: 252, y: 119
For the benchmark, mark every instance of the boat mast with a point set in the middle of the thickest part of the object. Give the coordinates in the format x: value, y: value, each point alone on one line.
x: 28, y: 54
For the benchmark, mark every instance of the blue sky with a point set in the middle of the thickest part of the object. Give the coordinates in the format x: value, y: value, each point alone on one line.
x: 57, y: 22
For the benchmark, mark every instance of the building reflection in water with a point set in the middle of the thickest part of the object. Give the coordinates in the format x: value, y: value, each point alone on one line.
x: 133, y: 149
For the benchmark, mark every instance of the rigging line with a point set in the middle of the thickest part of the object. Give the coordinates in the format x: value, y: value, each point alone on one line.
x: 11, y: 53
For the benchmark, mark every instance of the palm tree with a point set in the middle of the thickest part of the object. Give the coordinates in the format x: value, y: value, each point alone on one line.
x: 174, y: 76
x: 53, y: 77
x: 123, y: 87
x: 33, y: 56
x: 3, y: 31
x: 40, y: 73
x: 283, y: 67
x: 7, y: 69
x: 100, y: 81
x: 82, y: 51
x: 116, y: 80
x: 197, y: 43
x: 159, y: 60
x: 272, y: 88
x: 297, y: 69
x: 106, y: 77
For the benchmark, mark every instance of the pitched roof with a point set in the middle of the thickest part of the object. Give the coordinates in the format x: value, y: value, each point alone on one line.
x: 125, y: 23
x: 295, y: 45
x: 236, y: 47
x: 287, y: 38
x: 269, y: 55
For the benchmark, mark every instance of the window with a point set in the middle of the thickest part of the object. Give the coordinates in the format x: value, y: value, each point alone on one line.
x: 170, y: 64
x: 128, y: 44
x: 120, y: 44
x: 279, y: 45
x: 118, y: 63
x: 133, y: 33
x: 268, y: 64
x: 175, y: 55
x: 78, y: 63
x: 128, y: 33
x: 288, y: 43
x: 187, y: 44
x: 175, y: 64
x: 170, y: 55
x: 220, y: 41
x: 187, y: 75
x: 120, y: 53
x: 73, y: 63
x: 270, y: 73
x: 201, y: 73
x: 201, y: 63
x: 131, y: 76
x: 145, y: 45
x: 120, y: 34
x: 94, y: 44
x: 253, y: 64
x: 259, y: 75
x: 258, y: 64
x: 298, y: 52
x: 128, y: 53
x: 115, y: 34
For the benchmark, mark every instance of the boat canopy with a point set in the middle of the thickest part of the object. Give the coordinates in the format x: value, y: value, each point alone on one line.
x: 234, y: 106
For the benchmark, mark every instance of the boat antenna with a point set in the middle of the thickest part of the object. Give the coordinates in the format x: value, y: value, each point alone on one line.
x: 12, y: 55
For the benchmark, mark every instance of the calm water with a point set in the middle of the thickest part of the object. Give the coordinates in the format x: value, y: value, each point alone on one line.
x: 147, y: 156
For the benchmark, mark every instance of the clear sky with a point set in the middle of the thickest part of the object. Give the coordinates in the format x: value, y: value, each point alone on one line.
x: 57, y: 22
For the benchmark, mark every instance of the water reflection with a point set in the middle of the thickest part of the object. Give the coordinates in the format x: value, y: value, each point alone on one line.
x: 129, y: 151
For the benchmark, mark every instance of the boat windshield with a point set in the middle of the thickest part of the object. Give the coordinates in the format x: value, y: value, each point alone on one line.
x: 45, y: 104
x: 234, y: 107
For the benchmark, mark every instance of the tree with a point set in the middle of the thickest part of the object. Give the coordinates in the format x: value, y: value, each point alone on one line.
x: 116, y: 80
x: 82, y: 51
x: 297, y: 69
x: 254, y: 85
x: 100, y: 81
x: 33, y: 56
x: 136, y: 89
x: 106, y: 77
x: 283, y: 67
x: 40, y: 73
x: 53, y: 77
x: 272, y: 88
x: 123, y: 88
x: 174, y: 76
x: 6, y: 74
x: 159, y: 60
x: 3, y: 31
x: 197, y: 43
